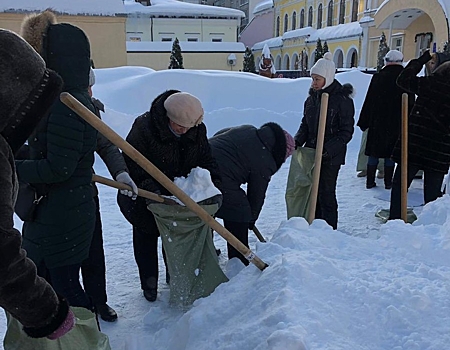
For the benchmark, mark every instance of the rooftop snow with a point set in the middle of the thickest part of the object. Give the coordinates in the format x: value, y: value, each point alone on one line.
x: 272, y: 43
x: 340, y: 31
x: 174, y: 7
x: 91, y: 7
x: 263, y: 5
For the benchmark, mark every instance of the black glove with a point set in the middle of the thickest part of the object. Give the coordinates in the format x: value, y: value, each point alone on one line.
x: 297, y: 145
x: 251, y: 225
x: 425, y: 57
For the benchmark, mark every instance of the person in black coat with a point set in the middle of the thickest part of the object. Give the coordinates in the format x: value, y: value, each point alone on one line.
x: 381, y: 115
x: 428, y: 130
x: 171, y: 136
x: 247, y: 155
x: 338, y: 132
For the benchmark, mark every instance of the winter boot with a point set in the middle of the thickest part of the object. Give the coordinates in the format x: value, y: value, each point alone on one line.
x: 370, y: 181
x: 151, y: 290
x: 388, y: 174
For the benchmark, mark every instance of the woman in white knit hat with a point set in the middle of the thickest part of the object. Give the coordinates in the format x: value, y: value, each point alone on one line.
x: 338, y: 132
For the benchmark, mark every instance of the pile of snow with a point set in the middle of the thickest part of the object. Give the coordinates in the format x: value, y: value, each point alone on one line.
x: 197, y: 185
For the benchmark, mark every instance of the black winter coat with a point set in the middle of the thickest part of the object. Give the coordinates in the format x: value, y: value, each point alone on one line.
x: 247, y: 155
x: 339, y: 124
x: 381, y: 112
x: 429, y: 120
x: 61, y: 156
x: 174, y: 156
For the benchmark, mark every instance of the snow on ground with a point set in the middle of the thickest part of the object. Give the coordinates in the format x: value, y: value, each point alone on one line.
x: 366, y: 286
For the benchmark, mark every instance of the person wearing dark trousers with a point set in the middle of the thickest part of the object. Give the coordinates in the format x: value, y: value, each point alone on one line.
x: 428, y: 130
x: 93, y: 269
x: 381, y: 116
x: 338, y: 132
x: 173, y: 137
x: 247, y: 155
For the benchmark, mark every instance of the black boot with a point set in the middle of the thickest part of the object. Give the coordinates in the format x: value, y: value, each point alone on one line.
x: 370, y: 181
x: 151, y: 289
x: 106, y: 312
x: 388, y: 174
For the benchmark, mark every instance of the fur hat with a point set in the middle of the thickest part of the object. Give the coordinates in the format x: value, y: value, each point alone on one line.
x: 91, y: 77
x: 27, y: 88
x: 184, y: 109
x: 325, y: 68
x: 290, y: 144
x: 34, y: 29
x: 393, y: 56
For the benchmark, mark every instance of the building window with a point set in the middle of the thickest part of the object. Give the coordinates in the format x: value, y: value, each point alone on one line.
x: 310, y: 16
x: 302, y: 18
x: 216, y: 40
x: 285, y: 23
x: 342, y: 12
x: 278, y: 27
x: 192, y: 39
x: 355, y: 10
x: 166, y: 39
x: 319, y: 17
x: 294, y: 20
x: 330, y: 14
x: 397, y: 44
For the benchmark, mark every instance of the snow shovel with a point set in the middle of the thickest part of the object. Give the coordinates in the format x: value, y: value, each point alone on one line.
x: 258, y: 234
x: 159, y: 176
x: 141, y: 192
x: 318, y: 157
x: 404, y: 169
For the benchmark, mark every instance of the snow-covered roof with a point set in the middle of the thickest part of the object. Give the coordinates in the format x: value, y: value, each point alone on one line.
x: 340, y: 31
x: 174, y: 7
x: 272, y: 43
x: 71, y: 7
x: 262, y: 6
x: 186, y: 46
x: 298, y: 33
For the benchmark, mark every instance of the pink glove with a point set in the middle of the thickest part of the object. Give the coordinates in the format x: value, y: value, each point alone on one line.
x: 65, y: 327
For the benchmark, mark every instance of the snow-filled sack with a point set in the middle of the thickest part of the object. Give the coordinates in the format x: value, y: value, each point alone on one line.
x: 197, y: 185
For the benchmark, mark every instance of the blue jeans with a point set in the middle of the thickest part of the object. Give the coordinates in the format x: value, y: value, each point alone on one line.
x: 374, y: 161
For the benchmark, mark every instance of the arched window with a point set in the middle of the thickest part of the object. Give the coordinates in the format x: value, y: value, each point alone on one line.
x: 342, y: 12
x: 278, y: 27
x: 310, y: 16
x: 330, y: 14
x: 302, y: 18
x: 285, y: 23
x: 294, y: 20
x: 355, y: 10
x: 319, y: 17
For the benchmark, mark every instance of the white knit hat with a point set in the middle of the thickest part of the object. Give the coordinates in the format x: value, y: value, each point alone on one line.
x: 393, y: 56
x: 325, y: 68
x: 91, y: 77
x: 184, y: 109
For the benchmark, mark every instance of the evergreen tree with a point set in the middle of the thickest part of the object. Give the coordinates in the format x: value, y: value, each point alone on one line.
x: 319, y: 51
x: 249, y: 61
x: 383, y: 49
x: 325, y: 47
x: 176, y: 59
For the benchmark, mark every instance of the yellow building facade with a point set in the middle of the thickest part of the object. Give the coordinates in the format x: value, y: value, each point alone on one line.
x: 106, y: 35
x: 352, y: 30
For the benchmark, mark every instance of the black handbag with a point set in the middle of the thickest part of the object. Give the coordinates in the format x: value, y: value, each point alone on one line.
x: 27, y: 201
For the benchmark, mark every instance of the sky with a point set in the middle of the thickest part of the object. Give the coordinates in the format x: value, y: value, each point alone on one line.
x: 366, y: 286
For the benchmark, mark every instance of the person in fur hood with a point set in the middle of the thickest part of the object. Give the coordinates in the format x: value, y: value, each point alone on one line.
x: 27, y: 90
x: 338, y: 132
x: 247, y: 155
x: 428, y: 130
x: 60, y: 162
